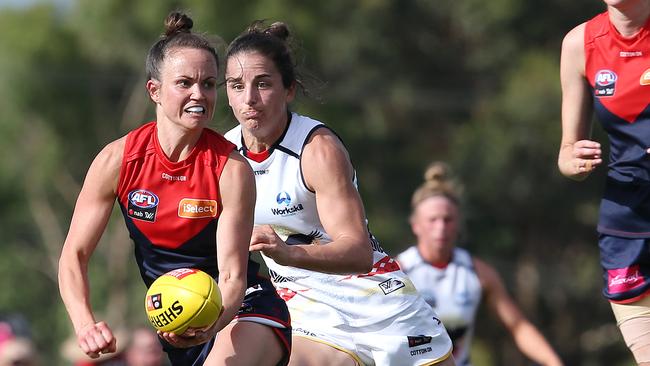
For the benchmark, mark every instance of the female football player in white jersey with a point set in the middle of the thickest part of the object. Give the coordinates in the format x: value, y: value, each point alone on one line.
x: 349, y: 301
x: 454, y: 282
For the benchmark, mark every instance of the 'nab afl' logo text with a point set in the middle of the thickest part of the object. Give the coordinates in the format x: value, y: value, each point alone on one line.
x: 605, y: 83
x: 143, y: 205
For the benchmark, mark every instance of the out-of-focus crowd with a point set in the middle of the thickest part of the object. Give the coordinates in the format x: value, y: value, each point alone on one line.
x: 136, y: 347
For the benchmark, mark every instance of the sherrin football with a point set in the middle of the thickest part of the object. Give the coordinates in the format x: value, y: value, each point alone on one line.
x: 183, y: 298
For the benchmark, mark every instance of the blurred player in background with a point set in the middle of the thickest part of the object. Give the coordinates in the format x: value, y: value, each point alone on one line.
x: 453, y: 281
x: 350, y: 303
x: 144, y: 349
x: 18, y: 351
x: 605, y: 67
x: 188, y: 200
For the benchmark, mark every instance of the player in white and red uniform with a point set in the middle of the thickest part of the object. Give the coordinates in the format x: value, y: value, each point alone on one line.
x: 454, y: 282
x: 343, y: 291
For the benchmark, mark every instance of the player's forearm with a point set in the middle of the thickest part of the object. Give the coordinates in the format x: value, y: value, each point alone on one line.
x: 232, y: 295
x: 73, y: 287
x: 343, y: 256
x: 533, y: 344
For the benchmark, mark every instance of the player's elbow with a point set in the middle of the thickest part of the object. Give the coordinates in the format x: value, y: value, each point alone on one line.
x: 350, y: 256
x: 71, y: 263
x: 363, y: 262
x: 364, y: 267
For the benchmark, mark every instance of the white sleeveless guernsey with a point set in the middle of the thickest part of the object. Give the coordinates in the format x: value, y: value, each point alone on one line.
x: 454, y: 292
x: 322, y: 304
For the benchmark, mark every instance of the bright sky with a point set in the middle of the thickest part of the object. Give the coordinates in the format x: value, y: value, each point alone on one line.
x: 27, y: 3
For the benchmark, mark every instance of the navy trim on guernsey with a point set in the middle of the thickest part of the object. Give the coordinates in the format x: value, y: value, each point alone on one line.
x: 287, y: 151
x: 309, y: 134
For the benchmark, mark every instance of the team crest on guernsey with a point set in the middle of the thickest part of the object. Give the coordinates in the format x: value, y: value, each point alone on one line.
x: 605, y: 83
x: 142, y: 205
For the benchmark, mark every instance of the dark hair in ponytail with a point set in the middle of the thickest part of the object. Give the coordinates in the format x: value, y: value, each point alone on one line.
x: 178, y: 34
x: 271, y: 41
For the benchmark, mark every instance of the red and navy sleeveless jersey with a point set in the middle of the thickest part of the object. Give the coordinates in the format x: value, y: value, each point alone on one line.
x: 171, y: 209
x: 618, y: 71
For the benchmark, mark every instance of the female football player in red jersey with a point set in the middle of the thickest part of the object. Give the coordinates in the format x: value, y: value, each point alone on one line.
x: 605, y: 68
x: 157, y: 173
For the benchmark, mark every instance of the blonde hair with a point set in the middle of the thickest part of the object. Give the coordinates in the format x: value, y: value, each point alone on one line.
x: 438, y: 181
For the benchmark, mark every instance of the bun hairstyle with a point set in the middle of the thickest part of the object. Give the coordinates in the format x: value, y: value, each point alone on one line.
x: 273, y: 42
x: 437, y: 182
x: 177, y: 22
x: 277, y: 29
x: 178, y: 34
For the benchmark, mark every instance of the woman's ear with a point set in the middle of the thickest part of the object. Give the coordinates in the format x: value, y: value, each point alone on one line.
x: 413, y: 224
x: 291, y: 92
x: 153, y: 88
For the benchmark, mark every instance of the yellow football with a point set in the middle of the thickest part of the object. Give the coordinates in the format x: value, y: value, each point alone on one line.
x: 183, y: 298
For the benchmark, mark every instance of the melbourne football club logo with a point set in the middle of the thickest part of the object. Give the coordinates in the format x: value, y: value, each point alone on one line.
x: 142, y: 205
x: 605, y: 83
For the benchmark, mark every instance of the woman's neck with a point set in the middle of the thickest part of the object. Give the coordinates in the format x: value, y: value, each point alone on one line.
x: 435, y: 256
x: 257, y: 144
x: 630, y: 17
x: 175, y: 142
x: 260, y: 140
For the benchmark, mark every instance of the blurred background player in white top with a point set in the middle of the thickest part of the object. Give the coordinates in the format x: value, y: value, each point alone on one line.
x: 452, y: 281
